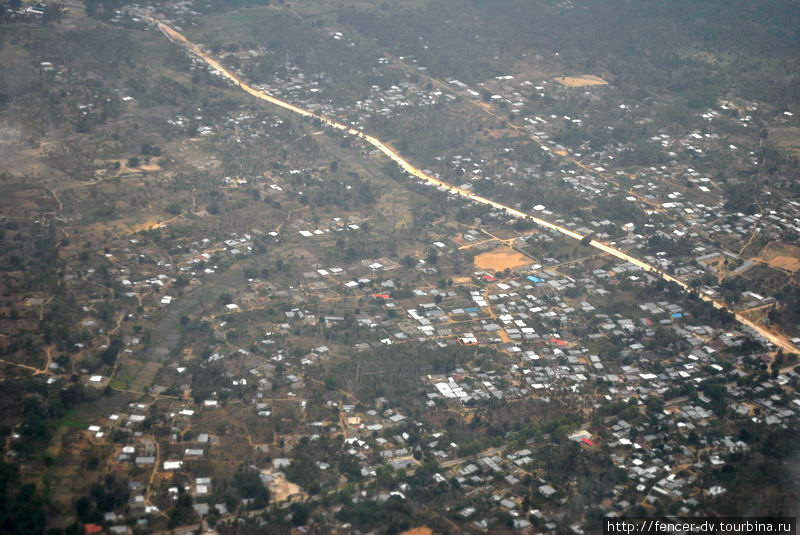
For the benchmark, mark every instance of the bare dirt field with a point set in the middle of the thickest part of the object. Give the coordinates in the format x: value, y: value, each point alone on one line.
x: 500, y: 259
x: 780, y: 256
x: 124, y: 168
x: 280, y: 489
x: 580, y: 81
x: 422, y: 530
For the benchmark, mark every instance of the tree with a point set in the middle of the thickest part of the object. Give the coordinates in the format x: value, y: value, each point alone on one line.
x: 109, y: 355
x: 300, y: 513
x: 249, y: 485
x: 83, y: 507
x: 432, y: 256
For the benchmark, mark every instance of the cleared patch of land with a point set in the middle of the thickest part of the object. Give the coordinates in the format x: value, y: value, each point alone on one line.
x: 580, y: 81
x: 281, y: 489
x: 500, y: 259
x: 780, y: 256
x: 135, y: 374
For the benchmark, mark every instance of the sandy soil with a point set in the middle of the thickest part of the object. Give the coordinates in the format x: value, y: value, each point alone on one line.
x: 124, y: 168
x: 781, y: 256
x: 786, y: 262
x: 147, y: 225
x: 500, y: 259
x: 281, y: 489
x: 580, y: 81
x: 422, y: 530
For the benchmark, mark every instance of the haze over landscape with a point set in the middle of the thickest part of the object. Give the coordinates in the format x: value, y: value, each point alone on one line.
x: 419, y: 267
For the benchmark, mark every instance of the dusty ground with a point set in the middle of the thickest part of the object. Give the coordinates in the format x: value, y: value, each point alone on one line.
x: 124, y: 168
x: 281, y: 490
x: 422, y: 530
x: 780, y: 256
x: 500, y: 259
x: 580, y: 81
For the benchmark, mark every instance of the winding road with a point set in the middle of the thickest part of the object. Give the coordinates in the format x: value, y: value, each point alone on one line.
x: 179, y: 39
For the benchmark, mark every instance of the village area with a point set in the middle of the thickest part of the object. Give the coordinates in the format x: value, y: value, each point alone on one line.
x: 220, y: 316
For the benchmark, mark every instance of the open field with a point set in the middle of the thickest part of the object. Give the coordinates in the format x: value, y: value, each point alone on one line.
x: 580, y: 81
x: 780, y: 256
x: 135, y: 374
x: 500, y: 259
x: 281, y: 489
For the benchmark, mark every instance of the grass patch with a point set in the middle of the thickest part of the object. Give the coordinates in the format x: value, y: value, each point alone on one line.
x: 119, y: 384
x: 127, y: 374
x: 74, y: 422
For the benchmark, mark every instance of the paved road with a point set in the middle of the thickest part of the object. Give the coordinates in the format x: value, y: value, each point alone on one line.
x: 178, y: 38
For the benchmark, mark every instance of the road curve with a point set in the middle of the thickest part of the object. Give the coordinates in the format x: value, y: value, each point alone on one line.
x: 178, y: 38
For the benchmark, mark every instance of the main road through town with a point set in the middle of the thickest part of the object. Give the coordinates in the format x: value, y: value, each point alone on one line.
x: 178, y: 38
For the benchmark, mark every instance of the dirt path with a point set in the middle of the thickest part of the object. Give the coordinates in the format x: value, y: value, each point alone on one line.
x: 747, y: 244
x: 35, y: 371
x: 164, y: 223
x: 149, y: 490
x: 288, y: 218
x: 41, y: 309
